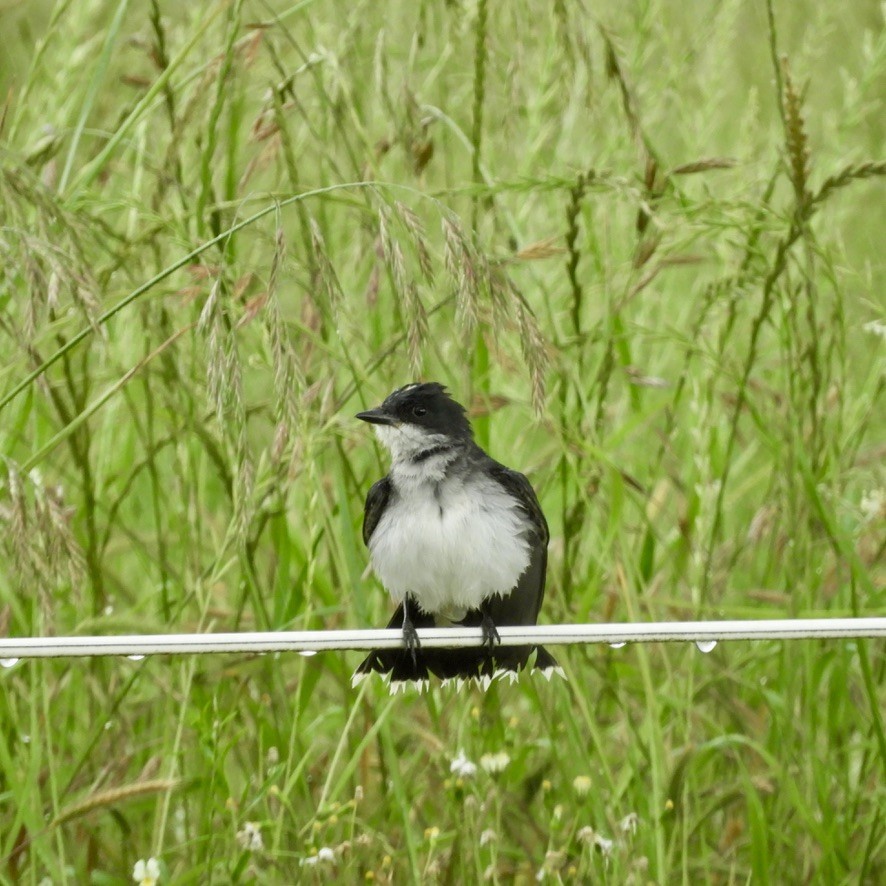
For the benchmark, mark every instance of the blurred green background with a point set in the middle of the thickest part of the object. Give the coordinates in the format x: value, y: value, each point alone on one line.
x: 643, y: 242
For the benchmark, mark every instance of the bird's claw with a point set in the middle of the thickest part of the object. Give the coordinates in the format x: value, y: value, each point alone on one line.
x: 490, y: 632
x: 410, y: 640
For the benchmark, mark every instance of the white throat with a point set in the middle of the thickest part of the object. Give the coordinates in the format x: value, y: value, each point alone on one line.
x: 406, y: 443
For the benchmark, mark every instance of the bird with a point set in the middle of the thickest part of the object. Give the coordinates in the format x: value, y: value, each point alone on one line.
x: 456, y: 538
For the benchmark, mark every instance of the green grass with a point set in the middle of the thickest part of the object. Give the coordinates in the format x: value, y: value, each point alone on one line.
x: 644, y: 242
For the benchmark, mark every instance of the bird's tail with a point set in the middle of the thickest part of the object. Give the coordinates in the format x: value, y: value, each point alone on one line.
x: 400, y: 666
x: 403, y: 666
x: 505, y: 662
x: 547, y: 664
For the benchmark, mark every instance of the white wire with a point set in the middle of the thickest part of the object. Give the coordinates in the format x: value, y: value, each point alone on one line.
x: 309, y: 642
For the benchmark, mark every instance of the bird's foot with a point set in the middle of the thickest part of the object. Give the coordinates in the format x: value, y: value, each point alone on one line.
x: 490, y: 632
x: 410, y: 637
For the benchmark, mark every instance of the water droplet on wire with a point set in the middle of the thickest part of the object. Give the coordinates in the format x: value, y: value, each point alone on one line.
x: 135, y: 657
x: 8, y: 662
x: 618, y: 645
x: 307, y: 653
x: 705, y: 645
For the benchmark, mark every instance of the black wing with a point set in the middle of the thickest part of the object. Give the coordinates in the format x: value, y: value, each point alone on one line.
x: 522, y: 605
x: 518, y: 486
x: 376, y: 502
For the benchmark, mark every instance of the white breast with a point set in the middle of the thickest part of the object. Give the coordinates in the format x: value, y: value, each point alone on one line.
x: 449, y: 549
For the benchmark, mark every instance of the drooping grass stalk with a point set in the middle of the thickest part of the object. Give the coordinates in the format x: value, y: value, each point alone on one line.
x: 95, y: 84
x: 208, y: 159
x: 162, y: 275
x: 95, y: 167
x: 777, y: 267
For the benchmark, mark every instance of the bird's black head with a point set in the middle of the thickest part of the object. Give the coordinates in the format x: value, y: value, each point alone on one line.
x: 424, y: 406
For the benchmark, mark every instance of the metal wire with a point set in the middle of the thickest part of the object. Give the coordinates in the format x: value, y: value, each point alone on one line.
x: 704, y: 633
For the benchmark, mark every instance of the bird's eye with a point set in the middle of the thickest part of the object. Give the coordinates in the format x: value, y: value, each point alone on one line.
x: 419, y: 411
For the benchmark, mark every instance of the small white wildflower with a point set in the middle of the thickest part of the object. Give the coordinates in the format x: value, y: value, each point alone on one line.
x: 629, y: 823
x: 250, y: 837
x: 603, y: 844
x: 494, y: 763
x: 581, y: 784
x: 146, y: 873
x: 462, y: 766
x: 873, y: 505
x: 877, y: 327
x: 324, y: 854
x: 586, y: 835
x: 488, y: 836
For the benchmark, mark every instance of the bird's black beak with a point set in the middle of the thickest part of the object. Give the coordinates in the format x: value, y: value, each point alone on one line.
x: 376, y: 417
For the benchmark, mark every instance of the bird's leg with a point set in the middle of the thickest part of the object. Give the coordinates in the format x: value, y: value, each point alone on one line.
x: 410, y: 634
x: 487, y: 625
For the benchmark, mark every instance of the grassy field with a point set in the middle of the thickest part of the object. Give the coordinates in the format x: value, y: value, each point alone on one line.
x: 644, y: 241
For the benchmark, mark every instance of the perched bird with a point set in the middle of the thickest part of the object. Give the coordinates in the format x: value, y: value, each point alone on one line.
x: 455, y: 537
